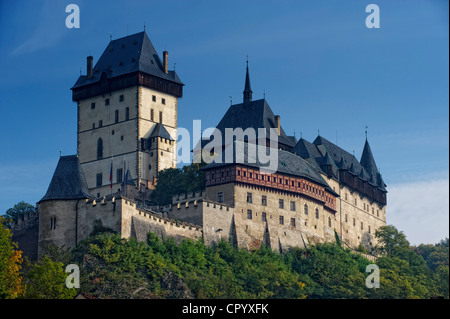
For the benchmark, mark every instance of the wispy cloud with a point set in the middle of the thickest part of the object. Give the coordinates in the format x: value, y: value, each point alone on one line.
x: 48, y: 30
x: 420, y: 209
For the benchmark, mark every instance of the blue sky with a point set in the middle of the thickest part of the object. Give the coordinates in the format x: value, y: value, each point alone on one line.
x: 320, y: 66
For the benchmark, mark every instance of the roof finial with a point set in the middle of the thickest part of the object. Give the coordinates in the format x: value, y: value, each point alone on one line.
x: 366, y: 132
x: 318, y: 132
x: 144, y: 26
x: 231, y: 100
x: 264, y: 94
x: 60, y: 153
x: 301, y: 134
x: 174, y: 65
x: 110, y: 37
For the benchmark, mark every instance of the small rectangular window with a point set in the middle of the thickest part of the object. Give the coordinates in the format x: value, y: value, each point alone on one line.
x: 293, y: 222
x: 127, y: 114
x: 281, y: 203
x: 116, y: 116
x: 92, y: 105
x: 281, y: 220
x: 152, y: 115
x: 249, y: 214
x: 249, y: 197
x: 106, y: 101
x: 160, y: 117
x: 154, y: 98
x: 263, y: 216
x: 121, y: 98
x: 293, y: 206
x: 220, y: 197
x: 163, y: 101
x: 264, y: 200
x: 100, y: 123
x: 99, y: 179
x: 119, y: 174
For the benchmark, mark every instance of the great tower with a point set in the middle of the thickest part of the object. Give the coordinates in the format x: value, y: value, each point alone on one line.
x: 127, y: 116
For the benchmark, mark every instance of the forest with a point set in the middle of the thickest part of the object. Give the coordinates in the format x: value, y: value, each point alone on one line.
x: 115, y: 268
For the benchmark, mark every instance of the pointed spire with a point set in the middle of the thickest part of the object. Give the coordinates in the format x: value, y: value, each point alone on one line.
x: 367, y: 160
x: 247, y: 89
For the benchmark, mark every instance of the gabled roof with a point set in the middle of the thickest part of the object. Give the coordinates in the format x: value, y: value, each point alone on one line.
x: 161, y: 131
x: 253, y: 114
x: 68, y: 181
x: 128, y: 55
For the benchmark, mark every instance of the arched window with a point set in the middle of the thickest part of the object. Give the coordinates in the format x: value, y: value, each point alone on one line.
x: 329, y: 221
x: 317, y: 213
x: 99, y: 148
x: 306, y: 209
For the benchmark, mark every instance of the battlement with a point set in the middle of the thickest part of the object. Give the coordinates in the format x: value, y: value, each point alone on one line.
x: 193, y: 202
x: 26, y: 221
x: 187, y: 196
x: 168, y: 221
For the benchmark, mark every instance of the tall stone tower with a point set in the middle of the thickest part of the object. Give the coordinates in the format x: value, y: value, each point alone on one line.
x: 127, y: 116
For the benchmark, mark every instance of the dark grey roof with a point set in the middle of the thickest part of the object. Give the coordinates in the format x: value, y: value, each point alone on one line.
x: 247, y: 88
x: 161, y: 131
x: 252, y: 114
x: 288, y: 163
x: 323, y: 152
x: 127, y: 55
x: 367, y: 160
x: 68, y: 181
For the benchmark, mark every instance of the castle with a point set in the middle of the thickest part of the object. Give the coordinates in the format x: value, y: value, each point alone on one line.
x: 127, y: 133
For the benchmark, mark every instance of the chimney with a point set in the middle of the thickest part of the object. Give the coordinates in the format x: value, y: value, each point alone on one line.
x: 89, y: 66
x: 277, y: 124
x: 166, y: 61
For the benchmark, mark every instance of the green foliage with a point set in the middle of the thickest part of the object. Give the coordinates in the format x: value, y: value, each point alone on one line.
x: 173, y: 181
x: 20, y: 209
x: 47, y: 280
x: 11, y: 285
x: 114, y: 267
x: 391, y: 241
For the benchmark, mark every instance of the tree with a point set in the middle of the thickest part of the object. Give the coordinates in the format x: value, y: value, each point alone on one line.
x: 47, y: 280
x: 20, y: 209
x: 391, y: 241
x: 173, y: 181
x: 11, y: 285
x: 170, y: 183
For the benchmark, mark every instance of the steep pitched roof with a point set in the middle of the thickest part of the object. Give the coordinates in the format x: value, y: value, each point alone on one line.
x: 127, y: 55
x: 161, y: 131
x: 68, y: 181
x: 367, y: 160
x: 253, y: 114
x: 322, y: 152
x: 247, y: 88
